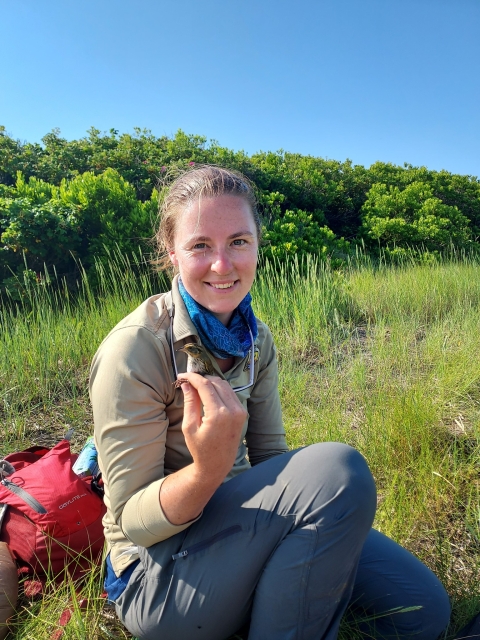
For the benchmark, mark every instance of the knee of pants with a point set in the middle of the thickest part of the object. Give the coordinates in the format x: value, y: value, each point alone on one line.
x: 344, y: 473
x: 437, y: 615
x: 397, y: 592
x: 426, y: 623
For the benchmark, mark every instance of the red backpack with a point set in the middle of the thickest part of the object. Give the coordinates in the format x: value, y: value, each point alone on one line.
x: 54, y: 518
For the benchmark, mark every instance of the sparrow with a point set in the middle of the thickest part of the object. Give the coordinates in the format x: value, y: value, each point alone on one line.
x: 197, y: 361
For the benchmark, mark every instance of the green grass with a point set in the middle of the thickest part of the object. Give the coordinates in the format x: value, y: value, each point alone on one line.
x: 385, y: 359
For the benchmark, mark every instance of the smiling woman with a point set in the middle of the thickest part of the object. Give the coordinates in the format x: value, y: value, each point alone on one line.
x: 211, y: 522
x: 217, y: 263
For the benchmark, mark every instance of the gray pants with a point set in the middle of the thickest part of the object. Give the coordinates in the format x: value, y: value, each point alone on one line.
x: 287, y: 545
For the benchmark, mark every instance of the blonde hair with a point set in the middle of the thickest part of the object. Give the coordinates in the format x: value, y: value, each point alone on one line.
x: 204, y: 181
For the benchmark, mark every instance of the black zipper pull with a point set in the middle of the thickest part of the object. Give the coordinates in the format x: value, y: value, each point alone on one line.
x: 181, y: 554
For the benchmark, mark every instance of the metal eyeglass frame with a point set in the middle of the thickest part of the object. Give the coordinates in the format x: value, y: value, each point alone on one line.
x: 252, y: 356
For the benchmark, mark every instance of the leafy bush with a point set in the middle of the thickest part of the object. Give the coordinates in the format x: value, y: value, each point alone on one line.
x: 36, y: 227
x: 462, y: 191
x: 84, y: 219
x: 412, y: 217
x: 47, y: 233
x: 110, y: 215
x: 296, y: 233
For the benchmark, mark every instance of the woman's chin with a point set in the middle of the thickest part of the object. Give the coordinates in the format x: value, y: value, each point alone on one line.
x: 223, y: 314
x: 224, y: 300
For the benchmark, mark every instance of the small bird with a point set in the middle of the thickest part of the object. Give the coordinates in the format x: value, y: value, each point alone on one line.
x: 197, y: 362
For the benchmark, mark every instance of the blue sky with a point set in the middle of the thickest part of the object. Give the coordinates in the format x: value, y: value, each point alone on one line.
x: 390, y: 80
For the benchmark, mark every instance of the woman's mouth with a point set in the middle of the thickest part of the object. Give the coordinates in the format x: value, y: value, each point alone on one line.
x: 222, y: 285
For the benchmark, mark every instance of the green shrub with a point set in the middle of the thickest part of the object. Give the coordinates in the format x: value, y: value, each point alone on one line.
x: 46, y: 233
x: 412, y: 217
x: 297, y: 234
x: 110, y: 214
x: 36, y: 228
x: 84, y: 220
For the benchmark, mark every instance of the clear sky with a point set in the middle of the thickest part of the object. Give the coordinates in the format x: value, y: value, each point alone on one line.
x: 390, y: 80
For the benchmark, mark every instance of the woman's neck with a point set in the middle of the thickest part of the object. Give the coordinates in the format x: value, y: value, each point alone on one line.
x: 225, y: 363
x: 224, y: 318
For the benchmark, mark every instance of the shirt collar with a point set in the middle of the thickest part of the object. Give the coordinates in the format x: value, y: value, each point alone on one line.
x: 183, y: 326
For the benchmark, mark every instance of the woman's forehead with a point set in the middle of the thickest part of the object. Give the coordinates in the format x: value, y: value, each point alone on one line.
x: 207, y: 216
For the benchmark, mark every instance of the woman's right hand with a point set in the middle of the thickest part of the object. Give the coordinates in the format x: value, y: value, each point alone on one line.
x: 212, y: 438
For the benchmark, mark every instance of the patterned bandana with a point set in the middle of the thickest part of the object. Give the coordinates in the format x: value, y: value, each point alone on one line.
x: 220, y: 340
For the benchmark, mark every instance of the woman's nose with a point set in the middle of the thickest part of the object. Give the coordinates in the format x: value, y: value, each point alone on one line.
x: 221, y: 263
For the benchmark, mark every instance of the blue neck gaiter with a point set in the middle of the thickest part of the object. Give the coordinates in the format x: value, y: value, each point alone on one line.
x: 220, y: 340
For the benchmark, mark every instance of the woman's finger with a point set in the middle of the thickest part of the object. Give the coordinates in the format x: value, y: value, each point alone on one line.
x: 214, y: 393
x: 225, y: 391
x: 209, y: 396
x: 192, y: 407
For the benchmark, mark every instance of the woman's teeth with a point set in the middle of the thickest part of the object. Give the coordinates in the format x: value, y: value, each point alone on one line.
x: 223, y: 286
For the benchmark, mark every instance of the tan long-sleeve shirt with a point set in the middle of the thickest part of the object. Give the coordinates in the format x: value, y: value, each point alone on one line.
x: 138, y: 417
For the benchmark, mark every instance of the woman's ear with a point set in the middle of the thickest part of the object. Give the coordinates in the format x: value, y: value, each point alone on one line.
x: 173, y: 258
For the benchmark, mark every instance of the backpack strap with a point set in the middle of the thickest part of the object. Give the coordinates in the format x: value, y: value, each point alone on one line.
x: 32, y: 502
x: 7, y: 469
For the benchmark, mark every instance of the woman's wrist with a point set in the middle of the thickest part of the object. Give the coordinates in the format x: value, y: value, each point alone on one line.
x: 208, y: 477
x: 185, y: 493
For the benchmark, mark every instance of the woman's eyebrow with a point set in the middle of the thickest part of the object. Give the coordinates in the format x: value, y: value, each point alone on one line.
x: 237, y: 234
x: 240, y: 233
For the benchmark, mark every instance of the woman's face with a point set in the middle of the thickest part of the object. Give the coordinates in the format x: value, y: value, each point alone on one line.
x: 215, y: 249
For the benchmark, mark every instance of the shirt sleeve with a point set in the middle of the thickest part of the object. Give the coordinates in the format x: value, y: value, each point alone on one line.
x: 265, y: 435
x: 129, y: 388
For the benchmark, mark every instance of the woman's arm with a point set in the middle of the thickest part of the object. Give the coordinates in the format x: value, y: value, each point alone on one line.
x: 130, y: 386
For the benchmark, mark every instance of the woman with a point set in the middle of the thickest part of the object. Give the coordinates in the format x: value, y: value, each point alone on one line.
x: 286, y: 544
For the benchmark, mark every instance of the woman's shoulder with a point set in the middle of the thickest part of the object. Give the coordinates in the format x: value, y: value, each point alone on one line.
x: 137, y: 348
x: 264, y: 342
x: 152, y: 315
x: 148, y: 322
x: 264, y: 333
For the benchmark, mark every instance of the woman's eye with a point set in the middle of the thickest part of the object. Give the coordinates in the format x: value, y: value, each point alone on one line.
x: 239, y: 242
x: 200, y: 245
